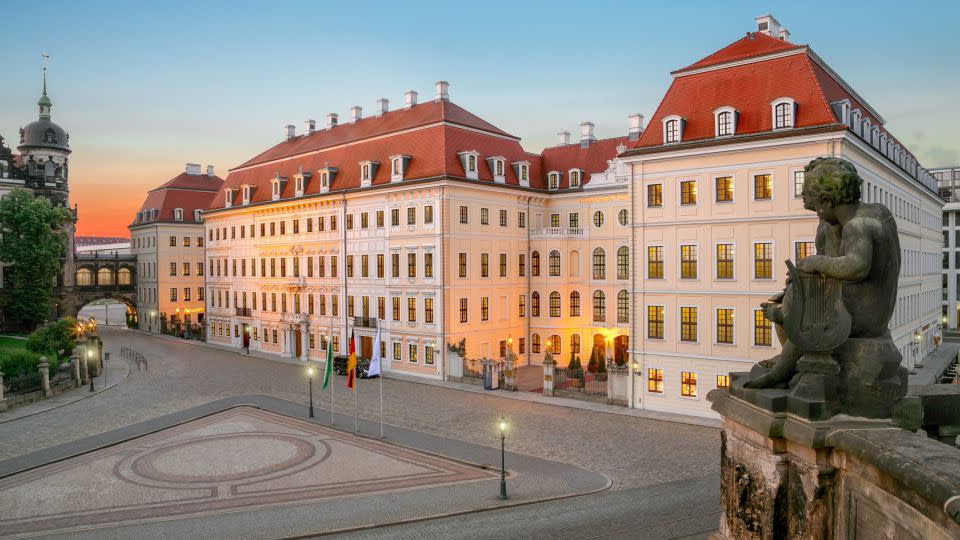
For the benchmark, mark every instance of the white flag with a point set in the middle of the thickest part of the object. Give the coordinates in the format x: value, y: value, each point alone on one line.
x: 374, y: 368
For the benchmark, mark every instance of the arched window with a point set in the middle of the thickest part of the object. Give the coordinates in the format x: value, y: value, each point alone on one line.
x: 574, y: 178
x: 599, y: 306
x: 535, y: 263
x: 598, y: 219
x: 783, y: 113
x: 623, y: 216
x: 554, y: 344
x: 554, y: 263
x: 575, y: 304
x: 553, y: 181
x: 575, y: 343
x: 105, y: 276
x: 672, y: 131
x: 623, y: 307
x: 623, y: 263
x: 599, y: 264
x: 535, y: 343
x: 84, y: 277
x: 574, y: 263
x: 124, y: 276
x: 554, y: 304
x: 725, y: 119
x: 535, y: 304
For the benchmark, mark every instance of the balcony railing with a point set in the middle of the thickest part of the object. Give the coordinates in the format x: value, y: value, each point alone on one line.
x: 365, y: 322
x: 243, y: 312
x: 558, y: 232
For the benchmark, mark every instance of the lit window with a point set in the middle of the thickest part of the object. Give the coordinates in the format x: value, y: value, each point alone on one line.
x: 724, y: 188
x: 762, y: 187
x: 535, y: 304
x: 575, y: 304
x: 762, y: 329
x: 598, y: 219
x: 655, y: 322
x: 655, y: 262
x: 574, y: 178
x: 688, y: 262
x: 535, y: 343
x: 688, y: 324
x: 724, y: 261
x: 554, y: 263
x: 554, y: 304
x: 723, y: 381
x: 688, y: 192
x: 724, y: 325
x: 797, y: 183
x: 553, y: 181
x: 688, y: 384
x: 599, y: 306
x: 655, y: 195
x: 599, y: 264
x: 623, y: 263
x: 623, y: 307
x: 763, y: 260
x: 802, y: 250
x: 534, y: 263
x: 655, y: 381
x: 623, y: 217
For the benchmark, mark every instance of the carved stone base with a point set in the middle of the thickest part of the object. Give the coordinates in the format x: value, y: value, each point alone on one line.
x: 871, y: 377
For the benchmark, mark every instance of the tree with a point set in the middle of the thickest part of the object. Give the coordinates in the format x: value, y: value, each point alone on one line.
x: 54, y: 337
x: 592, y: 364
x: 32, y: 242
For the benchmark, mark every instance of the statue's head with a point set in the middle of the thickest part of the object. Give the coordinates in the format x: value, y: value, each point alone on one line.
x: 828, y: 183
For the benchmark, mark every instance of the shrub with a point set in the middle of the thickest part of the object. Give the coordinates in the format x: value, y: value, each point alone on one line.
x: 592, y: 364
x: 17, y: 362
x: 601, y: 364
x: 579, y: 365
x: 53, y: 337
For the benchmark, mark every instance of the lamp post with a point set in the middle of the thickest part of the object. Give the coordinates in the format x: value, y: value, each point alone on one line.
x: 503, y: 475
x: 89, y: 373
x: 310, y: 381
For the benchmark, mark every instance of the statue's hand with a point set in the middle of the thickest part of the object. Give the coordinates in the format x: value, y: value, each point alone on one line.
x: 772, y: 311
x: 812, y: 265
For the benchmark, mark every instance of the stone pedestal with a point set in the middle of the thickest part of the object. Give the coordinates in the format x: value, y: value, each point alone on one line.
x: 75, y: 362
x: 44, y: 368
x: 618, y: 389
x: 549, y: 369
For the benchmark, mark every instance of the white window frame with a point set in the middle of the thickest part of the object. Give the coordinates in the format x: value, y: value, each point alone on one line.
x: 499, y: 163
x: 178, y: 214
x: 524, y: 174
x: 795, y: 241
x: 773, y: 186
x: 696, y: 189
x: 716, y: 121
x: 474, y: 172
x: 550, y: 177
x: 197, y: 214
x: 773, y: 113
x: 228, y: 198
x: 274, y: 189
x: 666, y: 121
x: 713, y: 188
x: 246, y: 191
x: 716, y: 277
x: 680, y: 323
x: 773, y: 259
x: 793, y: 182
x: 324, y: 180
x: 300, y: 185
x: 680, y: 277
x: 716, y: 336
x: 579, y: 176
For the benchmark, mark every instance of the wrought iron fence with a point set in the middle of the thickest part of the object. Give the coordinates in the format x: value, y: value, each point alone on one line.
x: 580, y: 381
x: 23, y: 384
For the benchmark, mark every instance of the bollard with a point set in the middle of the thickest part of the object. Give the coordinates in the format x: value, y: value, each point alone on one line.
x: 44, y: 368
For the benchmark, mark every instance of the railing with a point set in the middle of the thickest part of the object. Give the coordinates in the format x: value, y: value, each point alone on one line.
x: 557, y: 232
x: 244, y: 312
x: 23, y: 384
x: 365, y: 322
x: 580, y: 382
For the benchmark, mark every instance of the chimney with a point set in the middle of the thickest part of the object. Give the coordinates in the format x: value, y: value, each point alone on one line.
x: 331, y: 120
x: 442, y: 91
x: 310, y: 126
x: 586, y: 134
x: 769, y: 25
x: 636, y: 126
x: 409, y: 98
x: 193, y: 168
x: 210, y: 170
x: 356, y: 113
x: 563, y: 138
x: 291, y: 131
x: 383, y: 105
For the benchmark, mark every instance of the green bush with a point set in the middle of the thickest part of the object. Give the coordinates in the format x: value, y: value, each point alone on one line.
x: 17, y: 362
x: 592, y: 364
x: 601, y: 364
x: 53, y: 337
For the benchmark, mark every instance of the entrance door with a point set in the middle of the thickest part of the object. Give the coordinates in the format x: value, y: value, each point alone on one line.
x: 366, y: 347
x: 600, y: 346
x: 297, y: 344
x: 245, y: 333
x: 620, y: 344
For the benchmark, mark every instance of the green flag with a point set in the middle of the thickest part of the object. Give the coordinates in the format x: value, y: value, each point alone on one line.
x: 327, y: 371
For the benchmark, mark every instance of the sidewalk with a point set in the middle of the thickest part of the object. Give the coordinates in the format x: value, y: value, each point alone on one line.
x: 114, y: 373
x: 934, y: 364
x: 521, y: 396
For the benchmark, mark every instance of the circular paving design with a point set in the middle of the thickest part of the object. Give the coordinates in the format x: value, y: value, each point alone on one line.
x: 237, y: 457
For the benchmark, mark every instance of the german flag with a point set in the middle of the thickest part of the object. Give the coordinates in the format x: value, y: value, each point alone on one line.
x: 352, y: 365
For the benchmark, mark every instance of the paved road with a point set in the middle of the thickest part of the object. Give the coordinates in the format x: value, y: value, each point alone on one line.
x: 633, y: 452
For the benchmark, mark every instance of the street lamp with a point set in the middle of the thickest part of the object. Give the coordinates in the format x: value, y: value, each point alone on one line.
x: 310, y: 379
x: 503, y: 475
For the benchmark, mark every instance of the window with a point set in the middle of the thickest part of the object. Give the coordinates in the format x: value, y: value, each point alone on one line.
x: 762, y: 330
x: 484, y: 308
x: 522, y: 306
x: 173, y: 268
x: 484, y: 216
x: 428, y: 355
x: 555, y: 304
x: 503, y: 265
x: 575, y: 178
x: 411, y: 216
x: 688, y: 262
x: 553, y: 344
x: 575, y: 304
x: 688, y: 384
x: 598, y: 219
x: 173, y: 241
x: 623, y: 263
x: 797, y: 184
x: 349, y: 219
x: 412, y: 353
x: 599, y: 306
x: 574, y: 220
x: 522, y: 220
x: 379, y: 265
x: 349, y: 265
x: 173, y: 294
x: 554, y: 263
x: 724, y: 261
x: 535, y: 343
x: 186, y: 241
x: 503, y: 218
x: 534, y: 263
x: 655, y: 195
x: 688, y: 192
x: 724, y: 188
x: 783, y: 113
x: 428, y: 265
x: 655, y: 381
x: 802, y: 250
x: 464, y: 214
x: 484, y: 265
x: 395, y: 308
x: 553, y: 180
x: 411, y: 265
x: 763, y: 260
x: 554, y: 220
x: 462, y: 264
x: 471, y: 163
x: 395, y: 265
x: 428, y: 310
x: 364, y: 263
x: 599, y: 264
x: 623, y: 307
x: 379, y: 220
x: 671, y: 129
x: 655, y: 322
x: 364, y: 222
x: 688, y: 324
x: 394, y: 217
x: 411, y: 309
x: 724, y: 325
x: 623, y: 217
x: 521, y: 264
x: 725, y: 122
x: 762, y: 187
x: 575, y: 343
x: 463, y: 310
x: 535, y: 304
x: 655, y: 262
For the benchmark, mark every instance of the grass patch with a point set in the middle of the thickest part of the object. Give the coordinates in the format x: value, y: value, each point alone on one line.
x: 7, y: 342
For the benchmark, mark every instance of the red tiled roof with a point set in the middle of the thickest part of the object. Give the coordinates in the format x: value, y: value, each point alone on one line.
x: 748, y: 88
x: 592, y: 159
x: 398, y: 120
x: 186, y: 191
x: 753, y: 44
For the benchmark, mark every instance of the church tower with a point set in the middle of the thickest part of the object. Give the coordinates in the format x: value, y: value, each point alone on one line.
x: 44, y: 149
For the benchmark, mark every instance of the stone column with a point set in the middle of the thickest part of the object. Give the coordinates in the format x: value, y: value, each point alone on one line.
x: 549, y: 370
x: 75, y: 360
x: 510, y: 370
x: 304, y: 337
x: 44, y: 368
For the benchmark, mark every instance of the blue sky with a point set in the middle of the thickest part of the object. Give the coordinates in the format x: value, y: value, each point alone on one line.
x: 144, y: 88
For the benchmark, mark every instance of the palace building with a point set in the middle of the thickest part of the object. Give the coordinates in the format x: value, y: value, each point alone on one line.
x: 432, y: 221
x: 715, y: 185
x: 167, y: 239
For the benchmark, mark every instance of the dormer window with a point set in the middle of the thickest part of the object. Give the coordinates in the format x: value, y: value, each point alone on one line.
x: 178, y: 214
x: 553, y: 180
x: 576, y: 175
x: 521, y: 169
x: 784, y: 113
x: 672, y: 129
x: 246, y: 192
x: 302, y: 179
x: 398, y: 167
x: 327, y: 175
x: 229, y: 198
x: 856, y: 123
x: 196, y: 214
x: 468, y: 159
x: 497, y: 166
x: 725, y: 122
x: 275, y: 189
x: 368, y: 171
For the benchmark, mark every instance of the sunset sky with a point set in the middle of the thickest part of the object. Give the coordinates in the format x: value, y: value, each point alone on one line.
x: 143, y: 91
